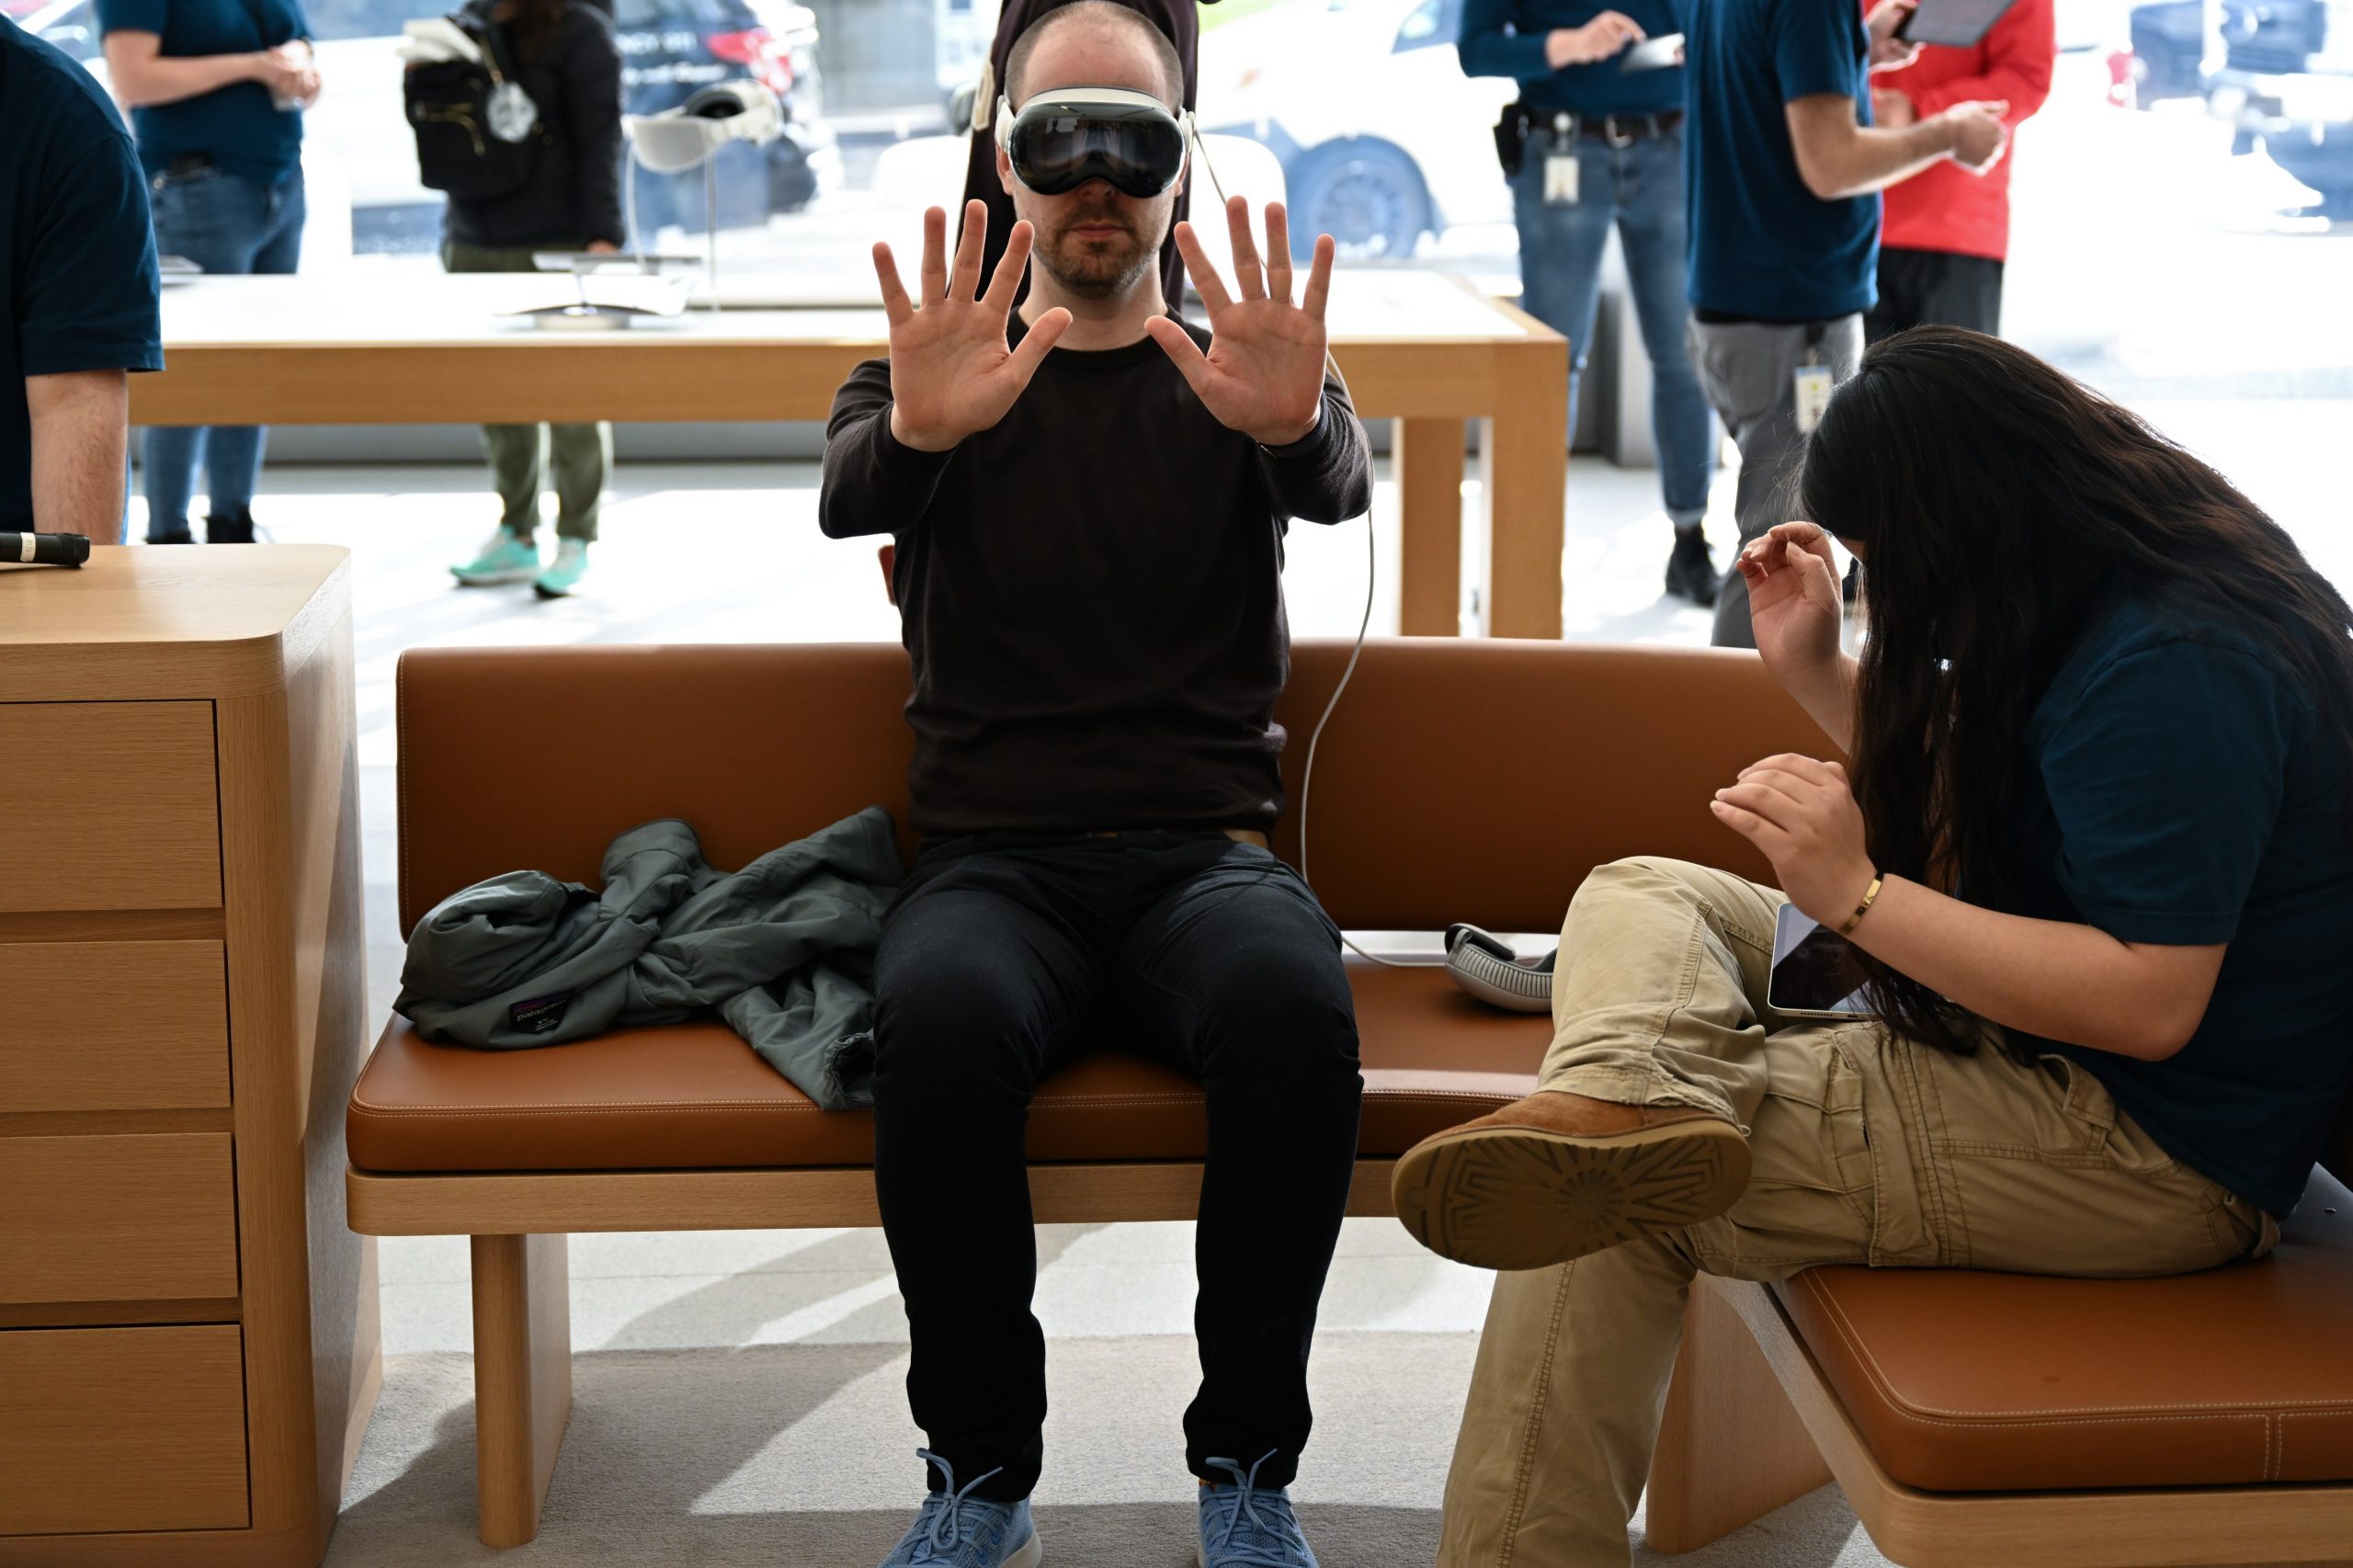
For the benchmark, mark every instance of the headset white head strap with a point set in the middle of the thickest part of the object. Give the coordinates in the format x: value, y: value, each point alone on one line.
x: 1080, y: 99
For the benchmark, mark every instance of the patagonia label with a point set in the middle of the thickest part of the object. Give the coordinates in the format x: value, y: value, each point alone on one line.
x: 541, y: 1015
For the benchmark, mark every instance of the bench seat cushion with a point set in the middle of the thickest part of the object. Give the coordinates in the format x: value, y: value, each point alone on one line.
x: 694, y: 1095
x: 1993, y: 1382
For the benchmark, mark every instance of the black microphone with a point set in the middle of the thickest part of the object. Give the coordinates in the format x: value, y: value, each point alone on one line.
x: 44, y: 549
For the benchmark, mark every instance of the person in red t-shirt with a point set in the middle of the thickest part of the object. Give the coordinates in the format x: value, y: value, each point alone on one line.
x: 1946, y: 230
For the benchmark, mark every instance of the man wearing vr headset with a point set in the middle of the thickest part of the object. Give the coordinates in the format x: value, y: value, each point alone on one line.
x: 1088, y: 499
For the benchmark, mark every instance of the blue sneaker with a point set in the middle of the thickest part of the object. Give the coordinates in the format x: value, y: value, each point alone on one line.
x: 956, y: 1529
x: 1244, y: 1526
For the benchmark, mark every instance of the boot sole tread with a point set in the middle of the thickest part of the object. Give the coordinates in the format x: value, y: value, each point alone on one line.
x: 1521, y: 1197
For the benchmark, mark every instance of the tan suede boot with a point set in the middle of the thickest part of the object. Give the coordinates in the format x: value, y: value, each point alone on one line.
x: 1557, y: 1176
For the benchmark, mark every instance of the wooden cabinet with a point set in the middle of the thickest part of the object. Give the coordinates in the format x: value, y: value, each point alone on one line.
x: 187, y: 1328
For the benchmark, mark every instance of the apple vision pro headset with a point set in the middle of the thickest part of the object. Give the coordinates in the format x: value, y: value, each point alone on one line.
x: 1057, y: 142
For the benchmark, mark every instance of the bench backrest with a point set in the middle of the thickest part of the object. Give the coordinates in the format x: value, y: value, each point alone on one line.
x: 1459, y: 781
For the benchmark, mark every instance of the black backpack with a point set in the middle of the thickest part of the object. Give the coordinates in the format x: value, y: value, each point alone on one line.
x: 478, y: 133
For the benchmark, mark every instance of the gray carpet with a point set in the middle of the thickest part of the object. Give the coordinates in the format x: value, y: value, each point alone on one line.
x: 803, y: 1457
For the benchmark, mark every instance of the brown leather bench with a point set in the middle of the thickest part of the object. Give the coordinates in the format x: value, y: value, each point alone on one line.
x: 1459, y: 781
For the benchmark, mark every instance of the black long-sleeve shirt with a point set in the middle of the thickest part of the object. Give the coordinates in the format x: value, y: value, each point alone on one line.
x: 1091, y: 592
x: 574, y: 196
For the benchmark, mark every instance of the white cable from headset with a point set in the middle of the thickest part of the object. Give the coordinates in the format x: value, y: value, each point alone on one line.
x: 1307, y: 776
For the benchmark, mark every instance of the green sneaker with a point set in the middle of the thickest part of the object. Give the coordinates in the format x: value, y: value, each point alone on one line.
x: 564, y: 574
x: 507, y: 558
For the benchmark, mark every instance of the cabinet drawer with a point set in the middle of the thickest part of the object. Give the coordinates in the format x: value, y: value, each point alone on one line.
x: 144, y: 1218
x: 113, y: 1025
x: 114, y: 807
x: 112, y: 1429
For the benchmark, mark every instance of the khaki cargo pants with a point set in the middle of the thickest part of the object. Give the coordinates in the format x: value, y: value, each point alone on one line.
x: 1868, y: 1148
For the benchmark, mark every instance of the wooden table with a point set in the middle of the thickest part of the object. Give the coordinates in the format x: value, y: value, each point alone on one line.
x: 188, y: 1346
x: 1425, y: 350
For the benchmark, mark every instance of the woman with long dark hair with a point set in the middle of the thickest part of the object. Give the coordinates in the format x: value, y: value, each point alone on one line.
x: 566, y: 58
x: 2096, y: 866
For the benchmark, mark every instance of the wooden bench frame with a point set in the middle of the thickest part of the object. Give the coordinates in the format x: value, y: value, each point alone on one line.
x: 1752, y: 1424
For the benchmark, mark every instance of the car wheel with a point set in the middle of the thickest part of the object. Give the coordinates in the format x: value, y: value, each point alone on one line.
x: 1366, y: 195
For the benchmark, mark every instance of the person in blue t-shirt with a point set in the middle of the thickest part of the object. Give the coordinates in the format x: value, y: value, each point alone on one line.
x: 78, y: 284
x: 1602, y: 146
x: 1785, y: 169
x: 216, y: 90
x: 2092, y: 852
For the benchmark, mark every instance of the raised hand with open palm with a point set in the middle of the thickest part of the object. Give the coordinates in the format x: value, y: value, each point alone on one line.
x: 952, y: 373
x: 1264, y: 372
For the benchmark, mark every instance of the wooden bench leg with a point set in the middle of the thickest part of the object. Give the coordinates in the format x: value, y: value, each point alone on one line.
x: 1731, y: 1448
x: 522, y: 1378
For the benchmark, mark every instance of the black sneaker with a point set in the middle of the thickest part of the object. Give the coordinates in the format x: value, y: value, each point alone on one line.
x: 230, y: 528
x: 1691, y: 572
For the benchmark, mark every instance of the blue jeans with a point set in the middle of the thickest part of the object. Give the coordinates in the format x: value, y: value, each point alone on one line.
x: 1639, y: 188
x: 224, y: 223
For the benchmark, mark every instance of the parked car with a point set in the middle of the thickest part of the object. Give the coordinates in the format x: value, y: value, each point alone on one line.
x: 669, y: 48
x: 2281, y: 73
x: 1382, y: 137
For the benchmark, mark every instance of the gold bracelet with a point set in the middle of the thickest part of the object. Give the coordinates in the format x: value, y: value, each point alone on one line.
x: 1861, y: 909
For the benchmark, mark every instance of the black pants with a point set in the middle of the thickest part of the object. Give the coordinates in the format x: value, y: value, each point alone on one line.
x: 1007, y: 956
x: 1924, y: 287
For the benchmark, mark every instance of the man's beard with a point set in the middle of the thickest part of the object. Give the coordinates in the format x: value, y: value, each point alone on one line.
x: 1096, y: 270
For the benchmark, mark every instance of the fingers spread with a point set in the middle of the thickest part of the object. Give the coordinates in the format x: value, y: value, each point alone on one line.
x: 935, y: 255
x: 1247, y: 274
x: 1205, y: 279
x: 1042, y: 336
x: 968, y: 251
x: 1006, y: 280
x: 1277, y: 253
x: 1178, y: 345
x: 896, y: 303
x: 1319, y: 278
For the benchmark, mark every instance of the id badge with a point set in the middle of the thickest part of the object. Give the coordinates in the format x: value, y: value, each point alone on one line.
x: 1560, y: 180
x: 1813, y: 389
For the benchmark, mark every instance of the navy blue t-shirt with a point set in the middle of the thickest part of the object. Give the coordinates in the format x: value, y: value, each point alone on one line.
x: 1762, y: 245
x: 237, y: 127
x: 1505, y: 38
x: 77, y: 258
x: 2185, y: 793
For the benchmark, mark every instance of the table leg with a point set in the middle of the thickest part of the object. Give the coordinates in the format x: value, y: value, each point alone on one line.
x: 1428, y: 458
x: 1524, y: 448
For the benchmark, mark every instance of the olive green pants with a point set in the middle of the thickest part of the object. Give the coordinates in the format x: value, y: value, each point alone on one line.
x: 1867, y: 1149
x: 520, y: 454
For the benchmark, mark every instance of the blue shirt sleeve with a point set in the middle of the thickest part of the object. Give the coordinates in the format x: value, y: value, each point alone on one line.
x: 1486, y: 48
x: 132, y: 16
x: 89, y: 289
x: 1818, y: 48
x: 2165, y: 775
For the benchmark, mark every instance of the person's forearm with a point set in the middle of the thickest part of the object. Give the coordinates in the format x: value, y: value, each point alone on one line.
x: 1326, y: 477
x: 2063, y: 981
x: 80, y: 437
x: 167, y: 80
x: 872, y: 482
x: 1827, y: 695
x: 1871, y: 159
